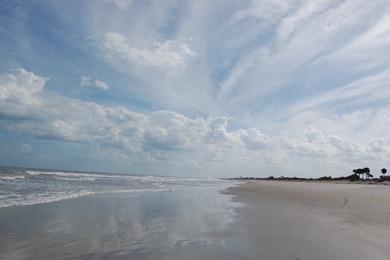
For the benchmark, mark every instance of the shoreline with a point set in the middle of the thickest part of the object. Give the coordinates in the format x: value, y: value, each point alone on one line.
x: 248, y: 220
x: 313, y: 220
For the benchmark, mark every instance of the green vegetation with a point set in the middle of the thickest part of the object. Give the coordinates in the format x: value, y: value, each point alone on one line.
x: 359, y: 174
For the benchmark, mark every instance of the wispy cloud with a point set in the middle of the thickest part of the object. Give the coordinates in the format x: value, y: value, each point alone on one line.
x: 271, y: 84
x: 358, y: 94
x: 310, y: 32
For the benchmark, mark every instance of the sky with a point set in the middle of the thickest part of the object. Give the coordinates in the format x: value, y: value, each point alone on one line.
x: 217, y: 88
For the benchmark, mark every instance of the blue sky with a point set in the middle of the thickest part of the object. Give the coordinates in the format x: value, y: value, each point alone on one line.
x: 208, y: 88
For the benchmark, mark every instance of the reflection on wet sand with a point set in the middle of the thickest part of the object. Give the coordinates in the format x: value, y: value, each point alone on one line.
x: 171, y: 225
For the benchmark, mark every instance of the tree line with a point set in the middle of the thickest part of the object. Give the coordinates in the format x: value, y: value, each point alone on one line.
x: 366, y: 172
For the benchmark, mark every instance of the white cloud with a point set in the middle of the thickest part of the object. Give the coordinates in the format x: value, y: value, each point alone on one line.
x: 165, y: 135
x: 86, y: 81
x: 306, y: 32
x: 245, y: 53
x: 166, y: 54
x: 269, y: 67
x: 20, y: 85
x: 368, y: 50
x: 267, y: 11
x: 253, y: 139
x: 239, y: 56
x: 313, y: 135
x: 380, y: 147
x: 344, y: 147
x: 123, y: 4
x: 370, y: 89
x: 101, y: 84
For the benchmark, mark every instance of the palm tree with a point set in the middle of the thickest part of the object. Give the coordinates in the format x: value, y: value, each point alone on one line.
x: 366, y: 171
x: 355, y: 171
x: 358, y: 172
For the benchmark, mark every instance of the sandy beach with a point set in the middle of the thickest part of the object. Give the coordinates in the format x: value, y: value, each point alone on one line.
x: 251, y: 220
x: 292, y: 220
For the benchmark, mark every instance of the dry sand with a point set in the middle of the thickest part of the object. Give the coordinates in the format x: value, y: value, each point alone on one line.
x: 292, y: 220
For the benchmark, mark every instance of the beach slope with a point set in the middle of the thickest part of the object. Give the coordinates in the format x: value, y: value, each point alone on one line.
x: 292, y: 220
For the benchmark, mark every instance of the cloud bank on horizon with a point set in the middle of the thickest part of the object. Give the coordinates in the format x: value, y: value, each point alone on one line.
x: 220, y: 88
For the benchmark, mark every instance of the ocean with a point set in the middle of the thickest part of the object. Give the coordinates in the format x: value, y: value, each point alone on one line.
x: 31, y: 186
x: 77, y: 215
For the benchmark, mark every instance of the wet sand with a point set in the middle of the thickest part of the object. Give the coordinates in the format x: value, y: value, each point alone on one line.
x: 156, y: 225
x: 292, y: 220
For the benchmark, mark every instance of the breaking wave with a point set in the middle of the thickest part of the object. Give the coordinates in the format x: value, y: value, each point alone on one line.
x: 27, y: 187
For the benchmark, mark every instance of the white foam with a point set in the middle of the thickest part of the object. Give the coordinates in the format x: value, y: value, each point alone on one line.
x: 19, y: 200
x: 11, y: 178
x: 66, y: 174
x: 41, y: 198
x: 86, y: 176
x: 52, y: 186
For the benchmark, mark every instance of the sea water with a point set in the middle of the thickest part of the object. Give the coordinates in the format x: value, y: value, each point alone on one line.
x: 113, y: 216
x: 31, y: 186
